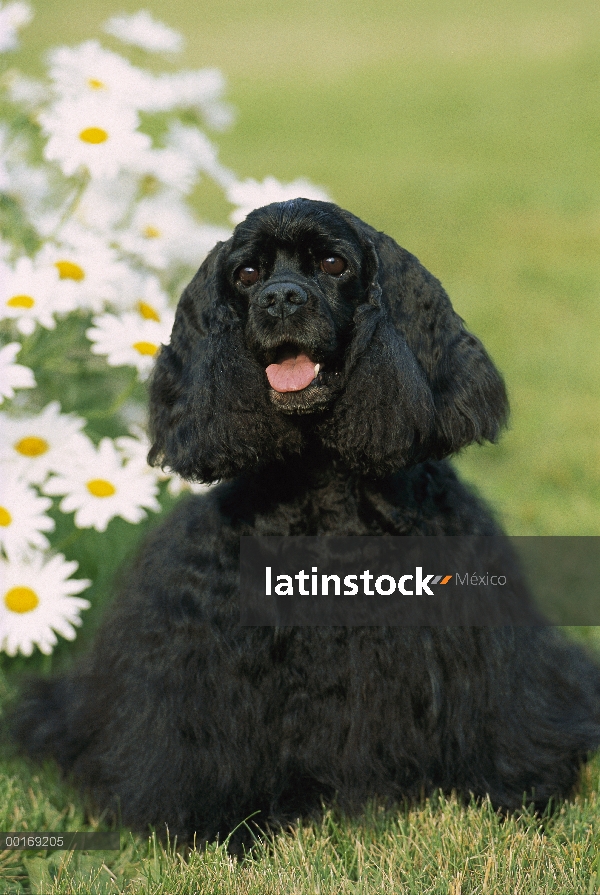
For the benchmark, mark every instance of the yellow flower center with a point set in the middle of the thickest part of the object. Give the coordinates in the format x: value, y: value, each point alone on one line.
x: 68, y: 270
x: 151, y: 232
x: 93, y: 135
x: 21, y: 599
x: 21, y: 301
x: 32, y: 446
x: 5, y: 517
x: 145, y: 348
x: 95, y: 84
x: 101, y: 488
x: 147, y: 311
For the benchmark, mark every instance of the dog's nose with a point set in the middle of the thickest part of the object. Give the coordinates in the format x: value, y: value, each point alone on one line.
x: 282, y: 299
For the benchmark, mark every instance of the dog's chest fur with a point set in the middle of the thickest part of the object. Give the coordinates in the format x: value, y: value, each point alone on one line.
x: 314, y: 499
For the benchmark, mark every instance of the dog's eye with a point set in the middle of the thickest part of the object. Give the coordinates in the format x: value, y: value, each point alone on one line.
x: 333, y: 265
x: 247, y: 276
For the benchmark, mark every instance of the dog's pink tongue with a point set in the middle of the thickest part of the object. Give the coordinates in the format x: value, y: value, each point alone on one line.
x: 292, y: 374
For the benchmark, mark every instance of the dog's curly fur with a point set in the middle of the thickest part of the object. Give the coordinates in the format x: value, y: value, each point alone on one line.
x: 183, y: 717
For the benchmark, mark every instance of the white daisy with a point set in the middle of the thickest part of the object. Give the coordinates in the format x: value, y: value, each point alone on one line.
x: 145, y: 296
x: 201, y: 90
x: 32, y: 187
x: 93, y: 135
x: 218, y: 115
x: 132, y: 413
x: 178, y: 486
x: 135, y: 448
x: 36, y: 599
x: 168, y: 167
x: 105, y: 203
x: 250, y: 194
x: 195, y: 146
x: 30, y: 295
x: 22, y: 517
x: 13, y: 375
x: 25, y: 91
x: 163, y: 231
x: 11, y: 147
x: 89, y: 70
x: 89, y: 271
x: 39, y: 190
x: 131, y: 339
x: 13, y: 16
x: 142, y: 30
x: 100, y: 486
x: 41, y: 443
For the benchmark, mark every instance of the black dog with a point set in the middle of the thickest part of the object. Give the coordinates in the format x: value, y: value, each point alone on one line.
x: 320, y: 371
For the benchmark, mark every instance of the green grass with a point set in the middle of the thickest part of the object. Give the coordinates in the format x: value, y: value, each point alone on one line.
x: 438, y: 846
x: 469, y: 132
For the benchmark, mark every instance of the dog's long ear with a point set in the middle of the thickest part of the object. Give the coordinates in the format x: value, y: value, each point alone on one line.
x: 418, y: 384
x: 385, y: 412
x: 468, y: 392
x: 209, y: 413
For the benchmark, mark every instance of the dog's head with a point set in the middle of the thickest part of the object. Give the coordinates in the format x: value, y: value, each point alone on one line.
x: 308, y: 324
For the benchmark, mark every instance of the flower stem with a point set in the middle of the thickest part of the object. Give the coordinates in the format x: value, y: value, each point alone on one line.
x: 117, y: 403
x: 68, y: 541
x: 72, y: 204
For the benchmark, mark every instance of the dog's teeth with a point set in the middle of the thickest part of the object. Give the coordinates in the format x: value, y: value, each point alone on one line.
x: 317, y: 368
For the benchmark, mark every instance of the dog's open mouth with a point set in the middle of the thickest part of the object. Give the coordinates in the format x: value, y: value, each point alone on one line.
x: 292, y: 371
x: 297, y: 381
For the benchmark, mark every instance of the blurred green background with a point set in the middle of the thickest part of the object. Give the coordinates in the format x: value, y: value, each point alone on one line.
x: 470, y: 132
